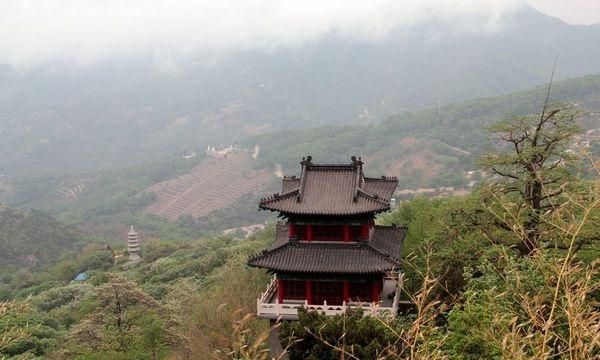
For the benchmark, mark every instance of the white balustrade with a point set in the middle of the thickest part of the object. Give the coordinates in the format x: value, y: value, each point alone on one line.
x: 266, y: 308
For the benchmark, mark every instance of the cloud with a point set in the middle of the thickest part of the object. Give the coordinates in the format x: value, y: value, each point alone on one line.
x: 90, y: 31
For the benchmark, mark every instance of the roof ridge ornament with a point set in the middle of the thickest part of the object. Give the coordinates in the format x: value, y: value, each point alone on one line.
x: 357, y: 163
x: 306, y: 162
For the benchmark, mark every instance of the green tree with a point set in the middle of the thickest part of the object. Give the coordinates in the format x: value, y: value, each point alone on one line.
x: 532, y: 166
x: 125, y: 323
x: 317, y: 336
x: 154, y: 335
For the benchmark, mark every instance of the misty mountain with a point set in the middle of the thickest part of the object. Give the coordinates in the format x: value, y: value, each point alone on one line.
x: 68, y: 119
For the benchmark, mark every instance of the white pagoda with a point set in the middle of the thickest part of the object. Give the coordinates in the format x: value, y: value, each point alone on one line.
x: 133, y: 245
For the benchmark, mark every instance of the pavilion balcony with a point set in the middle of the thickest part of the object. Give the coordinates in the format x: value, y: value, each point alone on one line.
x: 269, y: 307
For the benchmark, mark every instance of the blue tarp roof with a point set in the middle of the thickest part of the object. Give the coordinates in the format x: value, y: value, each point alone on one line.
x: 81, y: 277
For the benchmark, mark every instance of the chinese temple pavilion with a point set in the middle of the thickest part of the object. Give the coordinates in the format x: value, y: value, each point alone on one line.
x: 328, y: 254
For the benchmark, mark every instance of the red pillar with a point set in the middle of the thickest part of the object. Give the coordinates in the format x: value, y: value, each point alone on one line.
x: 292, y: 230
x: 308, y: 289
x: 347, y: 233
x: 309, y: 232
x: 280, y: 290
x: 375, y: 291
x: 346, y: 291
x: 364, y: 231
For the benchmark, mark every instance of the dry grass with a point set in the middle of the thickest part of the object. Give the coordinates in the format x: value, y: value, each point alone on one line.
x: 218, y: 322
x: 567, y: 325
x: 10, y: 333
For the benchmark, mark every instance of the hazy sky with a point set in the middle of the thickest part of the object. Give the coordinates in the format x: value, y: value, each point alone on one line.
x: 89, y: 31
x: 578, y: 12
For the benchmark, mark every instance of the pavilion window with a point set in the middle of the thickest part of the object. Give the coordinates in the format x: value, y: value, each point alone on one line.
x: 360, y: 292
x: 356, y: 233
x: 294, y: 290
x: 330, y: 291
x: 300, y: 231
x: 328, y: 232
x: 346, y: 291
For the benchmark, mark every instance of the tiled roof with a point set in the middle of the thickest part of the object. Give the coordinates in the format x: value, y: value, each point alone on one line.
x: 339, y: 258
x: 388, y: 240
x: 281, y: 236
x: 379, y: 254
x: 289, y: 183
x: 383, y: 187
x: 332, y: 190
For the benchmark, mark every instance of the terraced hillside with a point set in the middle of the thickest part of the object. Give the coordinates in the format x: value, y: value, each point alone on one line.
x: 215, y: 184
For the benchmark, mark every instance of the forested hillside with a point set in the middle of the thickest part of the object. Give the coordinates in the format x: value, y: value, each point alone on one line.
x: 433, y: 147
x: 182, y: 300
x: 30, y: 238
x: 498, y: 273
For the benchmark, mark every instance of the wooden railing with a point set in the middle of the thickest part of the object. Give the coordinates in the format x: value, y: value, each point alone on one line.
x: 289, y: 310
